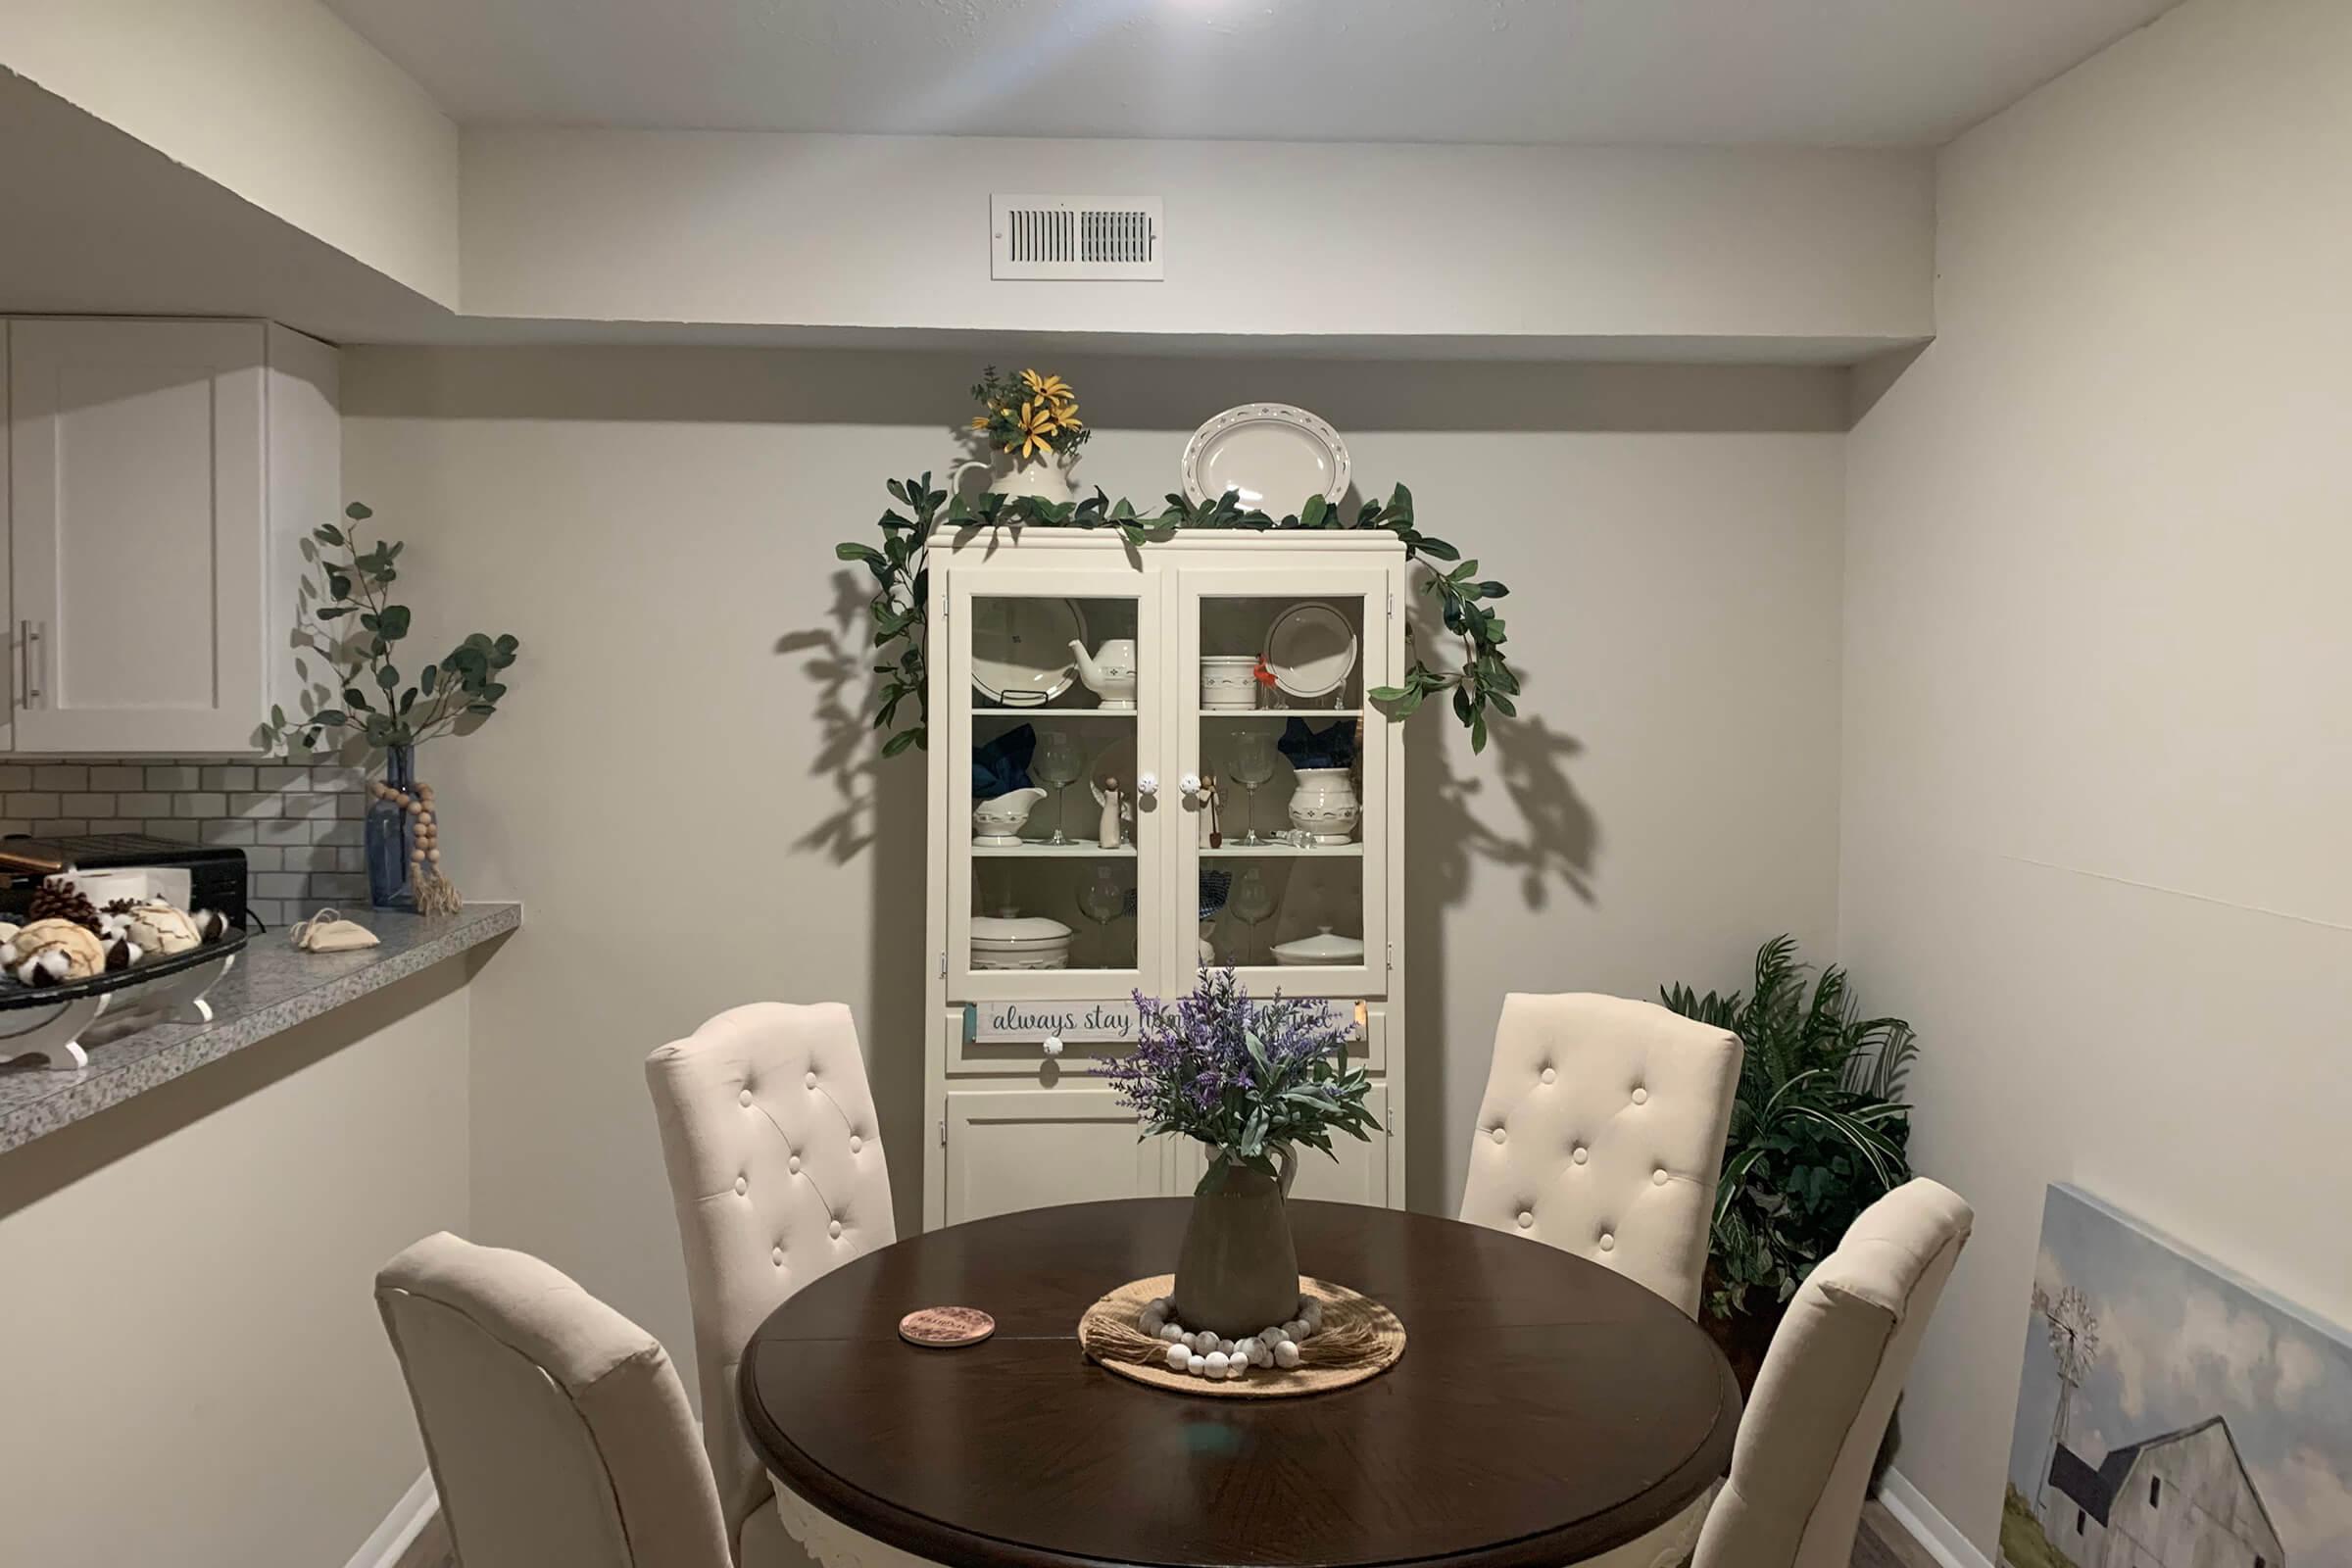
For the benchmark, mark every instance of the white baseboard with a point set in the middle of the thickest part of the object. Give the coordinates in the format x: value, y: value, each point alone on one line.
x: 1939, y: 1536
x: 401, y: 1526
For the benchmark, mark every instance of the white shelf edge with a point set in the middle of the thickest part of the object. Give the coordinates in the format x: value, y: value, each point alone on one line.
x: 1053, y: 713
x: 1051, y: 852
x: 1249, y: 851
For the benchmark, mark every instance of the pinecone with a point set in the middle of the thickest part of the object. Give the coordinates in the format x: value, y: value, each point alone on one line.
x: 62, y: 900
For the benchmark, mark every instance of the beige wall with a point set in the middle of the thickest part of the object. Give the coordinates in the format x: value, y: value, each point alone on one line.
x: 683, y: 784
x: 278, y: 101
x: 2098, y: 683
x: 195, y: 1371
x: 1713, y: 245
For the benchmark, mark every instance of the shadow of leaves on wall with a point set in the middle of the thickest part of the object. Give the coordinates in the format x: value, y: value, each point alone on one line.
x: 1539, y: 826
x: 848, y: 752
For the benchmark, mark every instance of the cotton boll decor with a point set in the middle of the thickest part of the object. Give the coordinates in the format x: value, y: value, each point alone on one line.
x: 160, y: 928
x: 51, y: 952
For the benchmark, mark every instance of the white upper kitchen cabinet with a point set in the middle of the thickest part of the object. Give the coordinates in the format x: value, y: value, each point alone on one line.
x: 159, y: 477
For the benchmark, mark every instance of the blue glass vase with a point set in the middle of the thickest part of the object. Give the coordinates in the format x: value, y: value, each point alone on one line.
x: 392, y: 834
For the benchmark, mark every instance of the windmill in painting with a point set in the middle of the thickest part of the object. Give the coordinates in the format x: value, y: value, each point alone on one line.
x: 2172, y: 1415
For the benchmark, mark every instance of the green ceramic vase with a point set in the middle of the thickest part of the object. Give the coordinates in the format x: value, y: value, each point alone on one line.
x: 1237, y: 1272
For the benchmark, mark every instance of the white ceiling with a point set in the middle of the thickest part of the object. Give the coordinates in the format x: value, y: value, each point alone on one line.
x: 1882, y: 72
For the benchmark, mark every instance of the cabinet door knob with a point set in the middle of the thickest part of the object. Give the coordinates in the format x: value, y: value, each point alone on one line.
x: 1190, y: 784
x: 1052, y: 1044
x: 1147, y: 784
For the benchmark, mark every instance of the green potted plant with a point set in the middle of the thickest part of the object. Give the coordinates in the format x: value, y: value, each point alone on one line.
x: 1819, y: 1132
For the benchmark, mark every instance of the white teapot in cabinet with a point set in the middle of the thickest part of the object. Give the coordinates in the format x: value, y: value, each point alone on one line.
x: 1109, y: 670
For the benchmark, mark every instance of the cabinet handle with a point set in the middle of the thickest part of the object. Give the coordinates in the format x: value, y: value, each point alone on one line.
x: 1190, y: 784
x: 1052, y: 1044
x: 1148, y: 784
x: 31, y: 630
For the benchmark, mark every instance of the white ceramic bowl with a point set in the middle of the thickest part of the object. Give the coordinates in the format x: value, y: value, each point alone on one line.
x: 998, y: 823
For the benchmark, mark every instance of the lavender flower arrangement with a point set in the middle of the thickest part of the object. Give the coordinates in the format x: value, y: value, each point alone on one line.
x: 1247, y: 1079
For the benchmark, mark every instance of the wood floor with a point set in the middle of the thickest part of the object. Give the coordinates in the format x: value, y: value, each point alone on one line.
x: 1880, y: 1544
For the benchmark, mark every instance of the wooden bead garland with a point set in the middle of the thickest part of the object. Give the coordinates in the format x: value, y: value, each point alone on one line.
x: 435, y: 893
x: 1206, y: 1356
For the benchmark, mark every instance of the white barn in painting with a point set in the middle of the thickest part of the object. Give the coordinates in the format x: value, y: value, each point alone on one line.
x: 2179, y: 1501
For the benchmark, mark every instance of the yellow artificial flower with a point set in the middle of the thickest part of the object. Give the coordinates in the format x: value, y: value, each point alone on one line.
x: 979, y: 421
x: 1032, y: 426
x: 1047, y: 388
x: 1066, y: 417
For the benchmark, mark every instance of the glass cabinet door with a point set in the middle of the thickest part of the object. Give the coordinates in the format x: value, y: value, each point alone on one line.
x: 1055, y: 693
x: 1281, y: 774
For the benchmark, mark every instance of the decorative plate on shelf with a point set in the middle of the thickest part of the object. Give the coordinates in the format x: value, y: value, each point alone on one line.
x: 1274, y: 456
x: 1022, y: 649
x: 1310, y: 649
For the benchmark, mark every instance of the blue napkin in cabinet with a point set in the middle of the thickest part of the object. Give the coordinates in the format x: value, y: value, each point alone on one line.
x: 1002, y: 765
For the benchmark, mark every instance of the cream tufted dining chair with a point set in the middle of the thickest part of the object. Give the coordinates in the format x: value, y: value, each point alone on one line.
x: 1601, y: 1134
x: 776, y: 1170
x: 556, y: 1429
x: 1829, y: 1385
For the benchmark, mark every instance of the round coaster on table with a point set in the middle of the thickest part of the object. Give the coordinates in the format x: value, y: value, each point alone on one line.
x: 946, y: 1328
x: 1359, y: 1339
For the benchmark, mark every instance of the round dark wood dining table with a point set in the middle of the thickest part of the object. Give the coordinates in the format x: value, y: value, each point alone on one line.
x: 1546, y: 1410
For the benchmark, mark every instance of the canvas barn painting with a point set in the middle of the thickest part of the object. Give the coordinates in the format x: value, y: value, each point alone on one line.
x: 2170, y: 1414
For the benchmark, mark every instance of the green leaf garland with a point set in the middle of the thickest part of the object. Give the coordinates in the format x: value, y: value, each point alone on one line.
x: 1482, y: 683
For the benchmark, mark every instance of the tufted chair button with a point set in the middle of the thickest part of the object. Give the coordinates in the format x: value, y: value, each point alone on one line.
x: 1657, y: 1178
x: 778, y: 1256
x: 855, y: 1143
x: 1527, y: 1217
x: 835, y: 1229
x: 1499, y: 1135
x: 1608, y: 1242
x: 744, y: 1098
x: 742, y: 1187
x: 1580, y: 1153
x: 793, y: 1164
x: 811, y: 1080
x: 1641, y: 1097
x: 1550, y: 1076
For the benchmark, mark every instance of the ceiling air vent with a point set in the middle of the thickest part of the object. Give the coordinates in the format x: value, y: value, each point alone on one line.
x: 1074, y: 236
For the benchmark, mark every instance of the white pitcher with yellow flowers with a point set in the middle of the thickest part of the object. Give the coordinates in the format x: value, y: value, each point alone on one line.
x: 1029, y: 425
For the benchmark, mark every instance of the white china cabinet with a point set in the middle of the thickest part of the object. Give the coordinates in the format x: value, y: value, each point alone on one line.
x: 1035, y: 947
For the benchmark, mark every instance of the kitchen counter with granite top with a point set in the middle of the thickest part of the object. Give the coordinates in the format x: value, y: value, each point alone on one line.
x: 273, y: 987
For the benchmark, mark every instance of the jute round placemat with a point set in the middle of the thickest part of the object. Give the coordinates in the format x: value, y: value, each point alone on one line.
x: 1360, y: 1339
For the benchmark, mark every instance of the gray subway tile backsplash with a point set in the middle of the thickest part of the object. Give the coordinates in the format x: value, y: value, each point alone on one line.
x: 299, y: 827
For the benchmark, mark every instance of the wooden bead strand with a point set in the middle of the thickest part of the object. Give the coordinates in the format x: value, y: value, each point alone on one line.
x: 435, y: 893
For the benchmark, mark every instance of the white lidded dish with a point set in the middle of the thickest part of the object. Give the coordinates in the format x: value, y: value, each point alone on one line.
x: 1010, y: 940
x: 1323, y: 950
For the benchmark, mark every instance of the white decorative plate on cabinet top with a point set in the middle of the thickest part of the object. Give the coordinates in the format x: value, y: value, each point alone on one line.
x: 1310, y: 649
x: 1022, y: 649
x: 1274, y: 456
